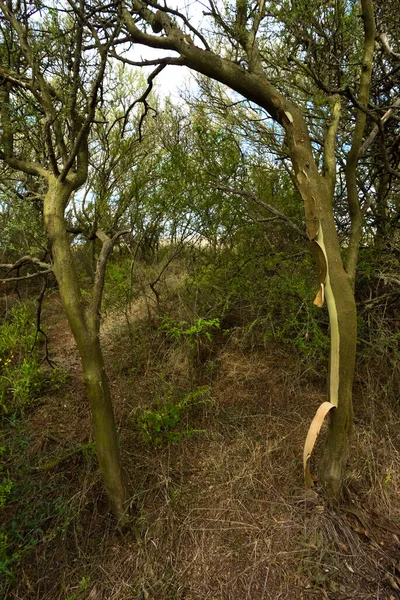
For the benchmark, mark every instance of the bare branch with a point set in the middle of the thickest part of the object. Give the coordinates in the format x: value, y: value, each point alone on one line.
x: 169, y: 60
x: 25, y: 260
x: 28, y: 167
x: 39, y: 329
x: 16, y: 79
x: 329, y: 161
x: 143, y: 99
x: 153, y: 41
x: 28, y: 276
x: 356, y: 217
x: 386, y: 46
x: 176, y: 13
x: 388, y: 167
x: 389, y: 278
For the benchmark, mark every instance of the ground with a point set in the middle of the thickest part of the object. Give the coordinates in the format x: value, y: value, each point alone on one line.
x: 220, y: 510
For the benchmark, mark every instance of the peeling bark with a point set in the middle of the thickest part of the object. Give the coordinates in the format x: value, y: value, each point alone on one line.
x: 316, y: 190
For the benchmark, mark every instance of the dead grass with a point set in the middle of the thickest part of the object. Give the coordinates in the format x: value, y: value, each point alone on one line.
x: 224, y: 515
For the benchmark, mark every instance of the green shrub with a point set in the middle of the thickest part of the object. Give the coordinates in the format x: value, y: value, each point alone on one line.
x: 196, y: 336
x: 22, y: 379
x: 201, y: 329
x: 117, y: 288
x: 265, y: 296
x: 164, y: 422
x: 17, y: 334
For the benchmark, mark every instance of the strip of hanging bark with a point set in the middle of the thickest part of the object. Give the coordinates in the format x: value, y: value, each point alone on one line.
x: 312, y: 435
x: 334, y: 360
x: 320, y: 297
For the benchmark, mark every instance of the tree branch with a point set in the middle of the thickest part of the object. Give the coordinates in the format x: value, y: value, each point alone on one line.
x: 329, y: 159
x: 143, y: 98
x: 25, y: 260
x: 98, y: 286
x: 178, y: 14
x: 28, y: 276
x: 39, y: 326
x: 166, y: 60
x: 386, y: 46
x: 28, y: 167
x: 367, y: 143
x: 356, y: 217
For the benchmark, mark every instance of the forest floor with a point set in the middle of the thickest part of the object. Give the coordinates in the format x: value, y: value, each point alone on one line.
x: 220, y: 507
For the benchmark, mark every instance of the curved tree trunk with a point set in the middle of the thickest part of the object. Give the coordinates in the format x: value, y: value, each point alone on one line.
x: 343, y: 334
x: 315, y: 188
x: 87, y: 338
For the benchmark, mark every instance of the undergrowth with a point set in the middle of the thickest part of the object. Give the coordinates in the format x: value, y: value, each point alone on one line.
x: 22, y: 376
x: 267, y: 297
x: 27, y: 504
x: 165, y: 422
x: 213, y: 410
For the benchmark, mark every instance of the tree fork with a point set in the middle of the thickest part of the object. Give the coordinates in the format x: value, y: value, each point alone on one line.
x: 87, y: 339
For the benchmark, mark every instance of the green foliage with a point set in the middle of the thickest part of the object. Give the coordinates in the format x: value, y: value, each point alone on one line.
x: 22, y: 379
x: 17, y: 335
x: 301, y: 325
x: 267, y: 296
x: 23, y: 384
x: 196, y: 337
x: 164, y: 423
x: 378, y: 321
x: 117, y: 288
x: 202, y: 328
x: 20, y: 224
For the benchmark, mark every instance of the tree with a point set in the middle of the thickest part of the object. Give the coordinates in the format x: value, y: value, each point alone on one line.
x: 51, y: 85
x: 241, y: 56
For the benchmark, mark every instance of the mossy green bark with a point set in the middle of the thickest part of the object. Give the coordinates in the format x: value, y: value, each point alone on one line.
x: 86, y: 334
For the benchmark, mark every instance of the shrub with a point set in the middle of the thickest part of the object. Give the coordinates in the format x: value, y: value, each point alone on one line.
x: 267, y: 296
x: 164, y: 422
x: 22, y: 379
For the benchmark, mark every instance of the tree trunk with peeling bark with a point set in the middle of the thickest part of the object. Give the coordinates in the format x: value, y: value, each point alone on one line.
x: 316, y: 189
x: 339, y: 295
x: 317, y: 193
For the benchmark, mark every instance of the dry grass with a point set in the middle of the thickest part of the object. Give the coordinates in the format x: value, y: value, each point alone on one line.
x: 224, y: 515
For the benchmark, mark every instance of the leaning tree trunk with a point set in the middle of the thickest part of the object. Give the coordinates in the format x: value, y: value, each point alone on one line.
x: 87, y: 340
x: 341, y: 304
x: 316, y: 190
x: 337, y: 288
x: 105, y: 431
